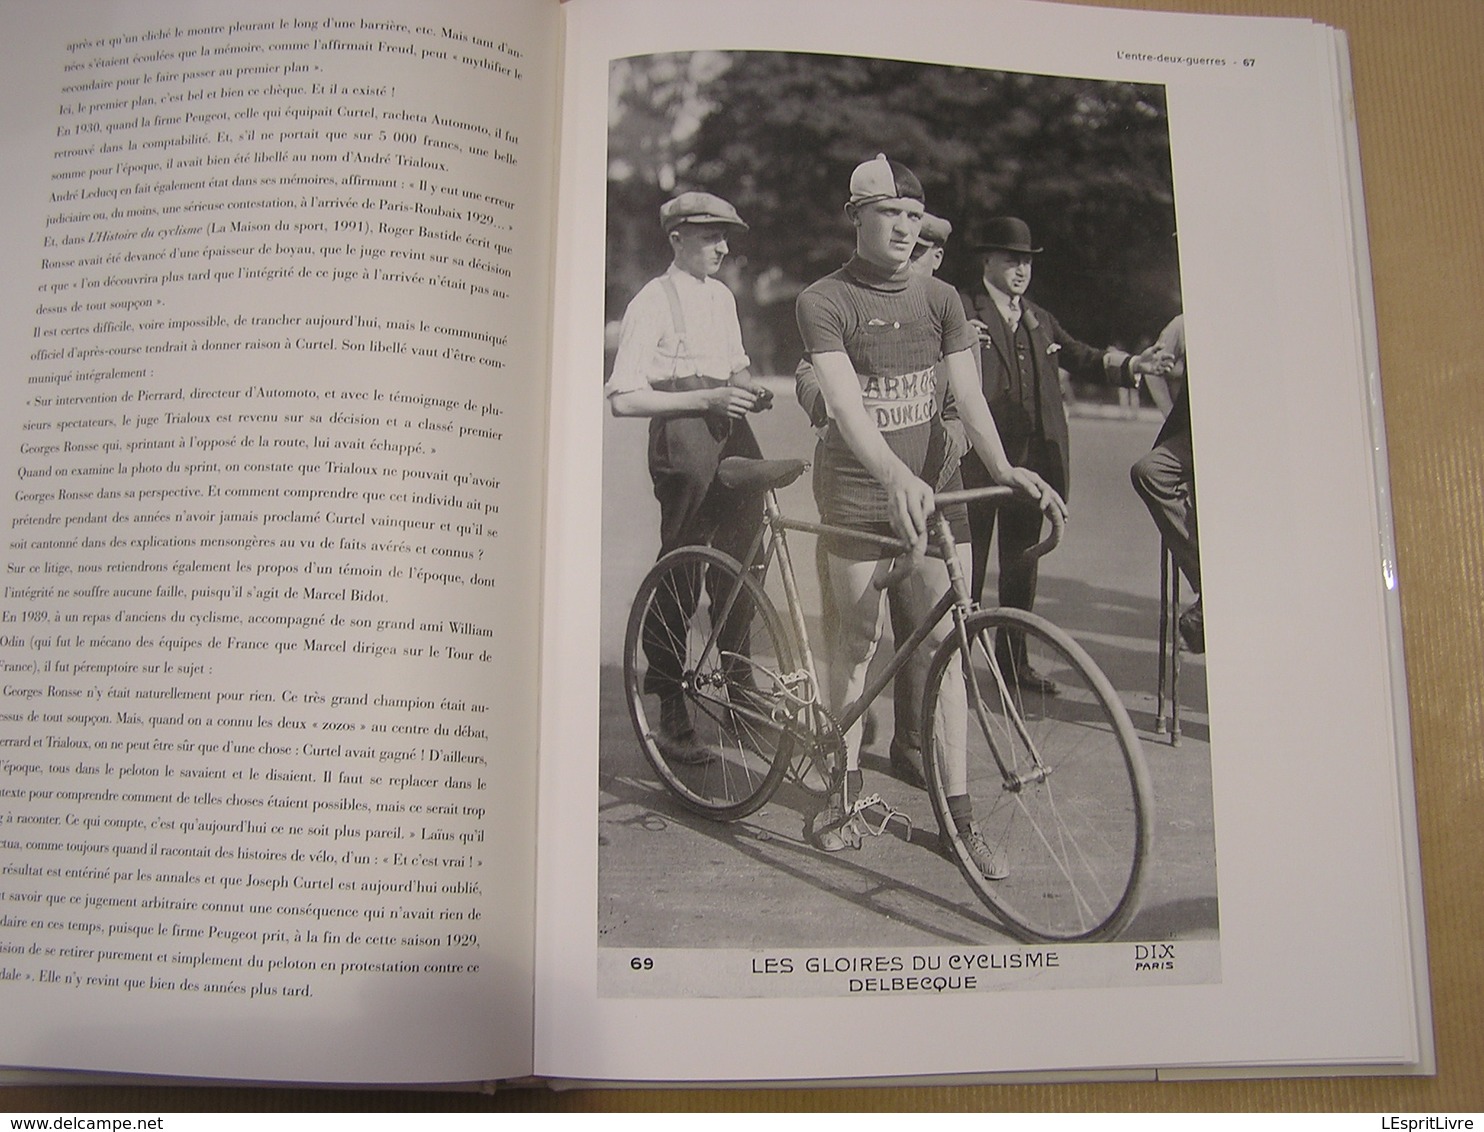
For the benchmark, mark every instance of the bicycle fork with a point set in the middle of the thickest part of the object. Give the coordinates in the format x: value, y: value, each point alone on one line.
x: 963, y: 605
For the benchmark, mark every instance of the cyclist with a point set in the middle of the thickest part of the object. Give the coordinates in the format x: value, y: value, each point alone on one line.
x: 874, y: 331
x: 906, y: 741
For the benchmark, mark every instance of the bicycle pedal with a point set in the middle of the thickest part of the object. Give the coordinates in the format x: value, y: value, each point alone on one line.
x: 872, y: 815
x: 834, y: 837
x: 852, y: 832
x: 831, y: 830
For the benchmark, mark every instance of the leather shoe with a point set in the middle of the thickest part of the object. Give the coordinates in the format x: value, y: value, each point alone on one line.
x: 1023, y: 678
x: 1019, y: 674
x: 676, y: 738
x: 683, y: 750
x: 906, y: 765
x: 991, y: 862
x: 825, y: 830
x: 1029, y: 680
x: 1192, y: 625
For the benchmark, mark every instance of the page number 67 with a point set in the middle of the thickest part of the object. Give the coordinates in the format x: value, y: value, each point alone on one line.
x: 1249, y: 62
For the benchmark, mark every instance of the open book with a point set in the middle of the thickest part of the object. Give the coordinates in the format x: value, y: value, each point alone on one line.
x: 318, y: 760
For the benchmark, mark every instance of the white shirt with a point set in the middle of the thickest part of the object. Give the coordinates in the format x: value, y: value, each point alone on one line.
x: 1009, y: 306
x: 649, y: 348
x: 1172, y: 341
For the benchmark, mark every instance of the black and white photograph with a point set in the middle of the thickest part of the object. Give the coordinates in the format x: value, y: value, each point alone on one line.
x: 902, y: 641
x: 656, y: 543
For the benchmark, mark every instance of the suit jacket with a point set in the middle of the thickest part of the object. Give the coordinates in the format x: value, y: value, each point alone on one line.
x: 1172, y: 341
x: 1031, y: 408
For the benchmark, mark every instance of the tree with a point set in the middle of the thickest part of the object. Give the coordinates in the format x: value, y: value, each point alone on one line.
x: 1085, y: 162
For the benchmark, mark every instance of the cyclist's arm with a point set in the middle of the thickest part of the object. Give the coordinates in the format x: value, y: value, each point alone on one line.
x: 973, y: 411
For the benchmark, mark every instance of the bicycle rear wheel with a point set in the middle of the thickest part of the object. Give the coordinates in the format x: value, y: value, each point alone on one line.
x: 702, y: 654
x: 1066, y: 805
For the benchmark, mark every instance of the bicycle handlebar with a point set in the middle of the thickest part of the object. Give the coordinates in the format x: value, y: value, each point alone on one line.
x: 971, y: 495
x: 944, y: 499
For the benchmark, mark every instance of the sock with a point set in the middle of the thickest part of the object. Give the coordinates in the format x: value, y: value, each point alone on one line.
x: 961, y: 810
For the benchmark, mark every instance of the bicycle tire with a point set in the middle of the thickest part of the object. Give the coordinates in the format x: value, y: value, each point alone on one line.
x: 739, y: 752
x: 1074, y: 842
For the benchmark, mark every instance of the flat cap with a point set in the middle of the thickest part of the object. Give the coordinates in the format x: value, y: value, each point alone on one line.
x: 935, y: 231
x: 698, y: 208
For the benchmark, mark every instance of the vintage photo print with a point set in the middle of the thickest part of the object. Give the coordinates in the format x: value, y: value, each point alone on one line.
x: 887, y: 279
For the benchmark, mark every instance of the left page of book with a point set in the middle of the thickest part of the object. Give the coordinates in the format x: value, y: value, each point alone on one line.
x: 274, y: 329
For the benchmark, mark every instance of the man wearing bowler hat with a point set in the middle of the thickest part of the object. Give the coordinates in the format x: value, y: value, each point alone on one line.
x: 1021, y: 349
x: 681, y: 363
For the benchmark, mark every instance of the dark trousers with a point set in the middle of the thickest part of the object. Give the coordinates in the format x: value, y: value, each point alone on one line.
x: 1165, y: 481
x: 695, y: 509
x: 1020, y: 524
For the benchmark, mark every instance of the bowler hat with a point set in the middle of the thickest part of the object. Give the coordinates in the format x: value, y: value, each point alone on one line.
x: 1005, y: 233
x: 698, y: 208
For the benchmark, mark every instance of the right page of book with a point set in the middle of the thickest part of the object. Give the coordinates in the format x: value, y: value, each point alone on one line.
x: 1150, y: 234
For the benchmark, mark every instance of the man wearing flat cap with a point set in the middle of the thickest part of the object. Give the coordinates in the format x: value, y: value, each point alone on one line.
x: 681, y: 363
x: 1021, y: 349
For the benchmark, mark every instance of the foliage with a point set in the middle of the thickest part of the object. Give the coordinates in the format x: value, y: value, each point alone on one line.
x: 1086, y: 163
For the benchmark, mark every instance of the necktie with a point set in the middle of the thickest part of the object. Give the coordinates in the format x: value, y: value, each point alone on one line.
x: 1014, y: 313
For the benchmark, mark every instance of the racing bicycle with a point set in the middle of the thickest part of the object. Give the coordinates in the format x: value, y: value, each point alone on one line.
x: 1056, y: 776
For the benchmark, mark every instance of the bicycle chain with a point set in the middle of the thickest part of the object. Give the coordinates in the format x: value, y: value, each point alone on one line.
x: 829, y: 741
x: 796, y: 695
x: 824, y: 744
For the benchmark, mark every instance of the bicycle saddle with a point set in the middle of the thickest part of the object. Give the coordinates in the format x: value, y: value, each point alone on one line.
x: 742, y: 473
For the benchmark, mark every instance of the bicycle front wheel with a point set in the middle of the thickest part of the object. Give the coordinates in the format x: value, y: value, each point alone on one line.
x: 702, y: 658
x: 1056, y: 777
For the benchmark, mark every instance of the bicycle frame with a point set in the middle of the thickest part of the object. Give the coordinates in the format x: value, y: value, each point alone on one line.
x: 771, y: 544
x: 1058, y: 798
